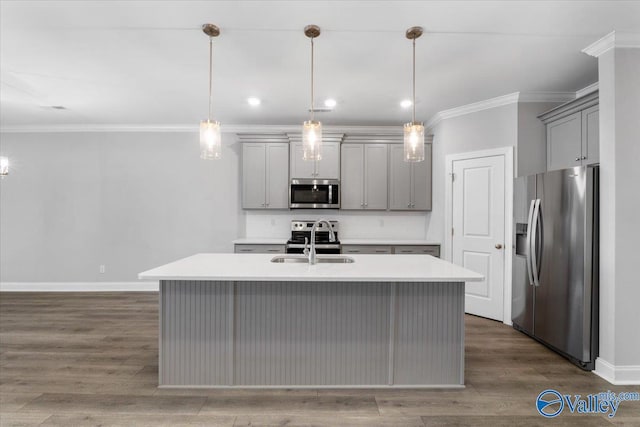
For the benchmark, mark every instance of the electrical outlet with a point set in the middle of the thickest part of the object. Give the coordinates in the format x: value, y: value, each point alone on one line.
x: 102, y: 269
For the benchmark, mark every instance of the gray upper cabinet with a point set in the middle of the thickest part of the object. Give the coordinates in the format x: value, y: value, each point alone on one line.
x: 327, y: 168
x: 573, y: 133
x: 564, y: 139
x: 364, y: 176
x: 265, y: 175
x: 375, y: 176
x: 591, y: 135
x: 352, y: 183
x: 409, y: 182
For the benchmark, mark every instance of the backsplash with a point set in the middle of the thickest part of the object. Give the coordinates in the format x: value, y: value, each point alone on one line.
x: 353, y: 225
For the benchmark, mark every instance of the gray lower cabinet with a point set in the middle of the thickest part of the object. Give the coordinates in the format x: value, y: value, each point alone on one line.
x: 258, y: 249
x: 327, y: 168
x: 573, y: 133
x: 409, y: 182
x: 366, y: 249
x: 364, y: 176
x: 433, y: 250
x: 265, y: 175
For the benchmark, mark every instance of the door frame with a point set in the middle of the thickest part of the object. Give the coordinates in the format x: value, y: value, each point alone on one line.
x: 509, y: 176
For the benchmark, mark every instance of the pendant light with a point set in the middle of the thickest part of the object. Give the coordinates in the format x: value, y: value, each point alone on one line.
x: 311, y: 129
x: 414, y: 131
x: 210, y: 138
x: 4, y: 166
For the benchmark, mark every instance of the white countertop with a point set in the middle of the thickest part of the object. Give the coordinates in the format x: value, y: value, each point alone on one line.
x: 366, y: 241
x: 366, y: 268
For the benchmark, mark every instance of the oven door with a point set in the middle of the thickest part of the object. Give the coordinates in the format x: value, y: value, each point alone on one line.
x: 314, y: 194
x: 298, y: 248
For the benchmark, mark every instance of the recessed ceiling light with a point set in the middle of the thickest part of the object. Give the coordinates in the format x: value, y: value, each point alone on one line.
x: 406, y: 103
x: 330, y: 103
x: 253, y: 101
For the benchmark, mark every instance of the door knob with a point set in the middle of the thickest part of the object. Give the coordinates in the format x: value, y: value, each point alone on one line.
x: 498, y: 246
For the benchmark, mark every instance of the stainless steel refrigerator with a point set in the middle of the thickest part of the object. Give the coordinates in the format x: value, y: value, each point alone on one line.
x: 555, y: 272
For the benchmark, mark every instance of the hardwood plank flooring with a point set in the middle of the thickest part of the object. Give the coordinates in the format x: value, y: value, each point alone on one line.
x: 85, y: 359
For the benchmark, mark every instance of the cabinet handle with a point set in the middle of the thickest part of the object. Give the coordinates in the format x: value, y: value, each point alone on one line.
x: 577, y: 159
x: 366, y: 204
x: 408, y: 205
x: 584, y: 157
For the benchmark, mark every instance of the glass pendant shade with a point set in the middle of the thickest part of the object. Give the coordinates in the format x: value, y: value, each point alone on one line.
x: 4, y: 166
x: 413, y: 142
x: 210, y: 140
x: 312, y: 140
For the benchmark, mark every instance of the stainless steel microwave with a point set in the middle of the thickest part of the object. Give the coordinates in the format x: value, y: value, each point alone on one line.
x: 314, y: 194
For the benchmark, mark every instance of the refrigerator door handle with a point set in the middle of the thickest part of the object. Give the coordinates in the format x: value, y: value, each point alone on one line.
x: 535, y: 256
x: 529, y: 233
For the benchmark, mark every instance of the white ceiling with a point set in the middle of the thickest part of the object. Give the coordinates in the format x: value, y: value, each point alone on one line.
x: 146, y: 62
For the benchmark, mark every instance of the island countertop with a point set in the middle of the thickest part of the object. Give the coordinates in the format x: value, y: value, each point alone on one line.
x: 258, y: 267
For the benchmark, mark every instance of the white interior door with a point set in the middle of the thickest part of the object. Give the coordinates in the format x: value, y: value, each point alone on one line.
x: 478, y: 240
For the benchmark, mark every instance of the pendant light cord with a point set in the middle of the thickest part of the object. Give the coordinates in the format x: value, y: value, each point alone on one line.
x: 414, y: 80
x: 311, y: 79
x: 210, y: 73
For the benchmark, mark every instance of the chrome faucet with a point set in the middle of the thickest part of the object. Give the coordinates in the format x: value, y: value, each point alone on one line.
x: 312, y: 250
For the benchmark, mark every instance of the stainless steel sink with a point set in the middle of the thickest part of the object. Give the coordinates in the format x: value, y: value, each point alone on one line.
x: 320, y: 259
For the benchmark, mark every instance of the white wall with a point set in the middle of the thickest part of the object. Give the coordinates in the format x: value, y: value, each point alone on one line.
x: 132, y: 201
x: 482, y: 130
x: 531, y: 156
x: 129, y: 201
x: 353, y: 225
x: 619, y: 208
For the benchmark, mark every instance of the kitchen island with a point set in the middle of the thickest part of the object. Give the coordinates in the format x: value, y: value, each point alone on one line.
x: 230, y: 320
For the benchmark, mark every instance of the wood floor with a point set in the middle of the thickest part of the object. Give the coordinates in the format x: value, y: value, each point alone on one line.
x: 76, y: 359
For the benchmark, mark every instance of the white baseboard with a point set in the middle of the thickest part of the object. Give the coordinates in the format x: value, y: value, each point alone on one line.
x: 617, y: 375
x: 78, y: 286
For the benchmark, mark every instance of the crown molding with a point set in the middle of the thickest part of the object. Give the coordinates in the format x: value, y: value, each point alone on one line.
x: 546, y: 96
x: 500, y: 101
x: 231, y: 128
x: 587, y: 90
x: 615, y: 39
x: 472, y: 108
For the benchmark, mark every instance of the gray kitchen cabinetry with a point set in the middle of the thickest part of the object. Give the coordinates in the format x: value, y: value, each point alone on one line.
x: 364, y: 176
x: 433, y: 250
x: 409, y: 182
x: 265, y: 175
x: 366, y: 249
x: 573, y: 133
x: 327, y: 168
x: 258, y: 249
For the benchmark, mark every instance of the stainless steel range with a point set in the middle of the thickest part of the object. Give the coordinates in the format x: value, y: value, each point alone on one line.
x: 301, y: 230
